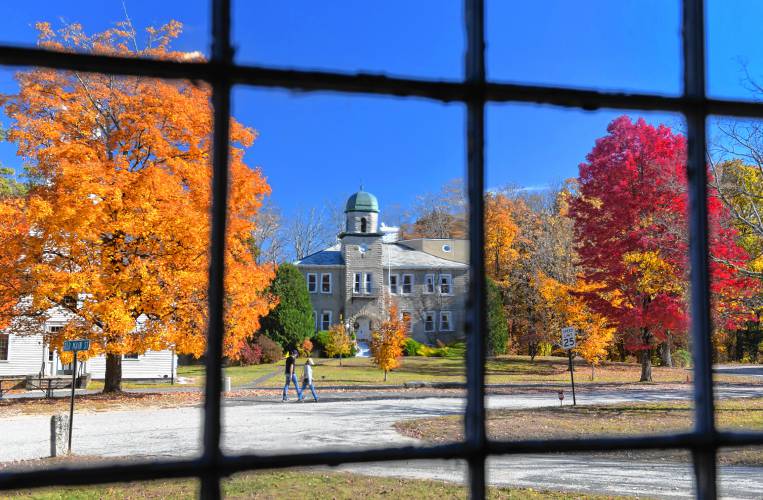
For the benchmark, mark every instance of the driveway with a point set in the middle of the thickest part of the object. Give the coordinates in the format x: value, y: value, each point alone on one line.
x: 258, y: 426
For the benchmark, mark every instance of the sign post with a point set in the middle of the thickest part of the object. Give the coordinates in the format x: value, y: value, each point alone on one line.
x: 569, y: 342
x: 74, y: 346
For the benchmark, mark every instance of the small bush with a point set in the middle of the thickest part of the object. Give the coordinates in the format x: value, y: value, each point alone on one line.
x: 306, y: 348
x: 251, y: 354
x: 320, y: 340
x: 682, y: 358
x: 411, y: 347
x: 271, y: 350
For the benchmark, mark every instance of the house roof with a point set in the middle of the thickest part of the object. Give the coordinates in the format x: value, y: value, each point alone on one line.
x: 331, y: 256
x: 362, y: 201
x: 400, y: 256
x: 393, y: 256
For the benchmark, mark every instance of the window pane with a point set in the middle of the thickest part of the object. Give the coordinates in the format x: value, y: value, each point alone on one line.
x: 738, y: 471
x: 617, y: 474
x: 121, y: 261
x: 350, y: 37
x: 598, y: 44
x: 736, y: 242
x: 332, y: 162
x: 734, y: 63
x: 93, y: 17
x: 586, y: 232
x: 164, y: 488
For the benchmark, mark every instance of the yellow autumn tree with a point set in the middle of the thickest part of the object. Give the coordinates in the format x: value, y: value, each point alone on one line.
x: 339, y: 342
x: 119, y: 206
x: 567, y: 307
x: 388, y: 342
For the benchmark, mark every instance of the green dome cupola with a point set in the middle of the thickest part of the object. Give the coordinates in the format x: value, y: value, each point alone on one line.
x: 362, y: 201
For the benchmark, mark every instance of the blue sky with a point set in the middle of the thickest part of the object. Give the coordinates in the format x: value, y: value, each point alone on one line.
x: 317, y: 148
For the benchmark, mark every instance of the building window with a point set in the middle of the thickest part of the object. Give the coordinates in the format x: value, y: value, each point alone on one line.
x: 130, y: 356
x: 429, y: 321
x: 445, y: 284
x: 312, y: 282
x: 393, y: 284
x: 326, y: 283
x: 429, y: 283
x: 4, y: 341
x: 446, y: 321
x: 407, y: 318
x: 326, y: 320
x: 446, y: 248
x: 407, y: 284
x: 363, y: 225
x: 369, y: 282
x: 356, y: 283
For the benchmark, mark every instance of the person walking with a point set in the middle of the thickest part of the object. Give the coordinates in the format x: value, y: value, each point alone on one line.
x: 291, y: 375
x: 307, y: 379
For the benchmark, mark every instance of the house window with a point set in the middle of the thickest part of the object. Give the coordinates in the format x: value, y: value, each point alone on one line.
x: 51, y: 354
x: 4, y: 346
x: 407, y: 284
x: 429, y: 283
x: 429, y: 321
x: 326, y: 283
x: 326, y: 320
x: 407, y: 318
x: 369, y: 281
x: 356, y: 283
x: 312, y: 282
x: 130, y: 356
x: 393, y: 284
x: 445, y: 284
x: 446, y: 321
x: 363, y: 225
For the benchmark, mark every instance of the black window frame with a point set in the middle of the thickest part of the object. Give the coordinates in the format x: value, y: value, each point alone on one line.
x: 475, y: 91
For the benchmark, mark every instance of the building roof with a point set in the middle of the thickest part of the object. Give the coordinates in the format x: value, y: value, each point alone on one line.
x: 362, y: 201
x: 331, y: 256
x: 400, y: 256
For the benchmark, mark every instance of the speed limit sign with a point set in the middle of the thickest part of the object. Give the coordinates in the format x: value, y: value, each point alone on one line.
x: 568, y: 337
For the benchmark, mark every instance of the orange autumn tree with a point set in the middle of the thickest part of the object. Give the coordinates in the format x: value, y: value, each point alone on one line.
x: 119, y: 204
x: 500, y: 232
x: 388, y: 342
x: 565, y: 306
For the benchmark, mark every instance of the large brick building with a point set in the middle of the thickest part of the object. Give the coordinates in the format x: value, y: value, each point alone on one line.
x: 354, y: 280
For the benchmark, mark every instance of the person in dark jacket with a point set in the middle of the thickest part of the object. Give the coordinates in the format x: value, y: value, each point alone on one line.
x: 290, y: 373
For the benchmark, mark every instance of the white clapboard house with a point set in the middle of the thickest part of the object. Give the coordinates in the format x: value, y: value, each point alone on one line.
x: 29, y: 354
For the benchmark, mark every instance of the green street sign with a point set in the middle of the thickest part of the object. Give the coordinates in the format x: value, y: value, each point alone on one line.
x: 76, y: 345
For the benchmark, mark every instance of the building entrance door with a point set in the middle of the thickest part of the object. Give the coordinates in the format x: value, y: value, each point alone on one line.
x: 363, y: 331
x: 363, y: 336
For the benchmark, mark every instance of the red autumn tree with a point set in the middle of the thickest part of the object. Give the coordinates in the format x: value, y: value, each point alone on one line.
x: 630, y: 221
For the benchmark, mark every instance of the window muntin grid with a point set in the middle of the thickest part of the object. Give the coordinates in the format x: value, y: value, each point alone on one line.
x: 475, y: 91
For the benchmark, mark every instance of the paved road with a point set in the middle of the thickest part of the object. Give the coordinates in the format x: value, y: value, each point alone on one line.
x: 265, y: 426
x: 745, y: 370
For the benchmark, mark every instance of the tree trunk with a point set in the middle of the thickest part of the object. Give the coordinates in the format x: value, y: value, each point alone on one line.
x: 113, y: 378
x: 666, y: 359
x: 532, y: 349
x: 646, y: 365
x: 340, y: 360
x: 593, y: 373
x: 385, y: 375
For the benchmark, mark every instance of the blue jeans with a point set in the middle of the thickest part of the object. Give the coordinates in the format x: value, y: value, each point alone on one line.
x: 296, y: 386
x: 305, y: 383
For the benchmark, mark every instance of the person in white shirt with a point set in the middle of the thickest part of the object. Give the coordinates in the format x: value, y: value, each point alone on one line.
x: 307, y: 379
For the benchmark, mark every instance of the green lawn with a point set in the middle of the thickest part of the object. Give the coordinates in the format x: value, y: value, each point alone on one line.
x: 500, y: 370
x: 194, y: 375
x: 293, y: 484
